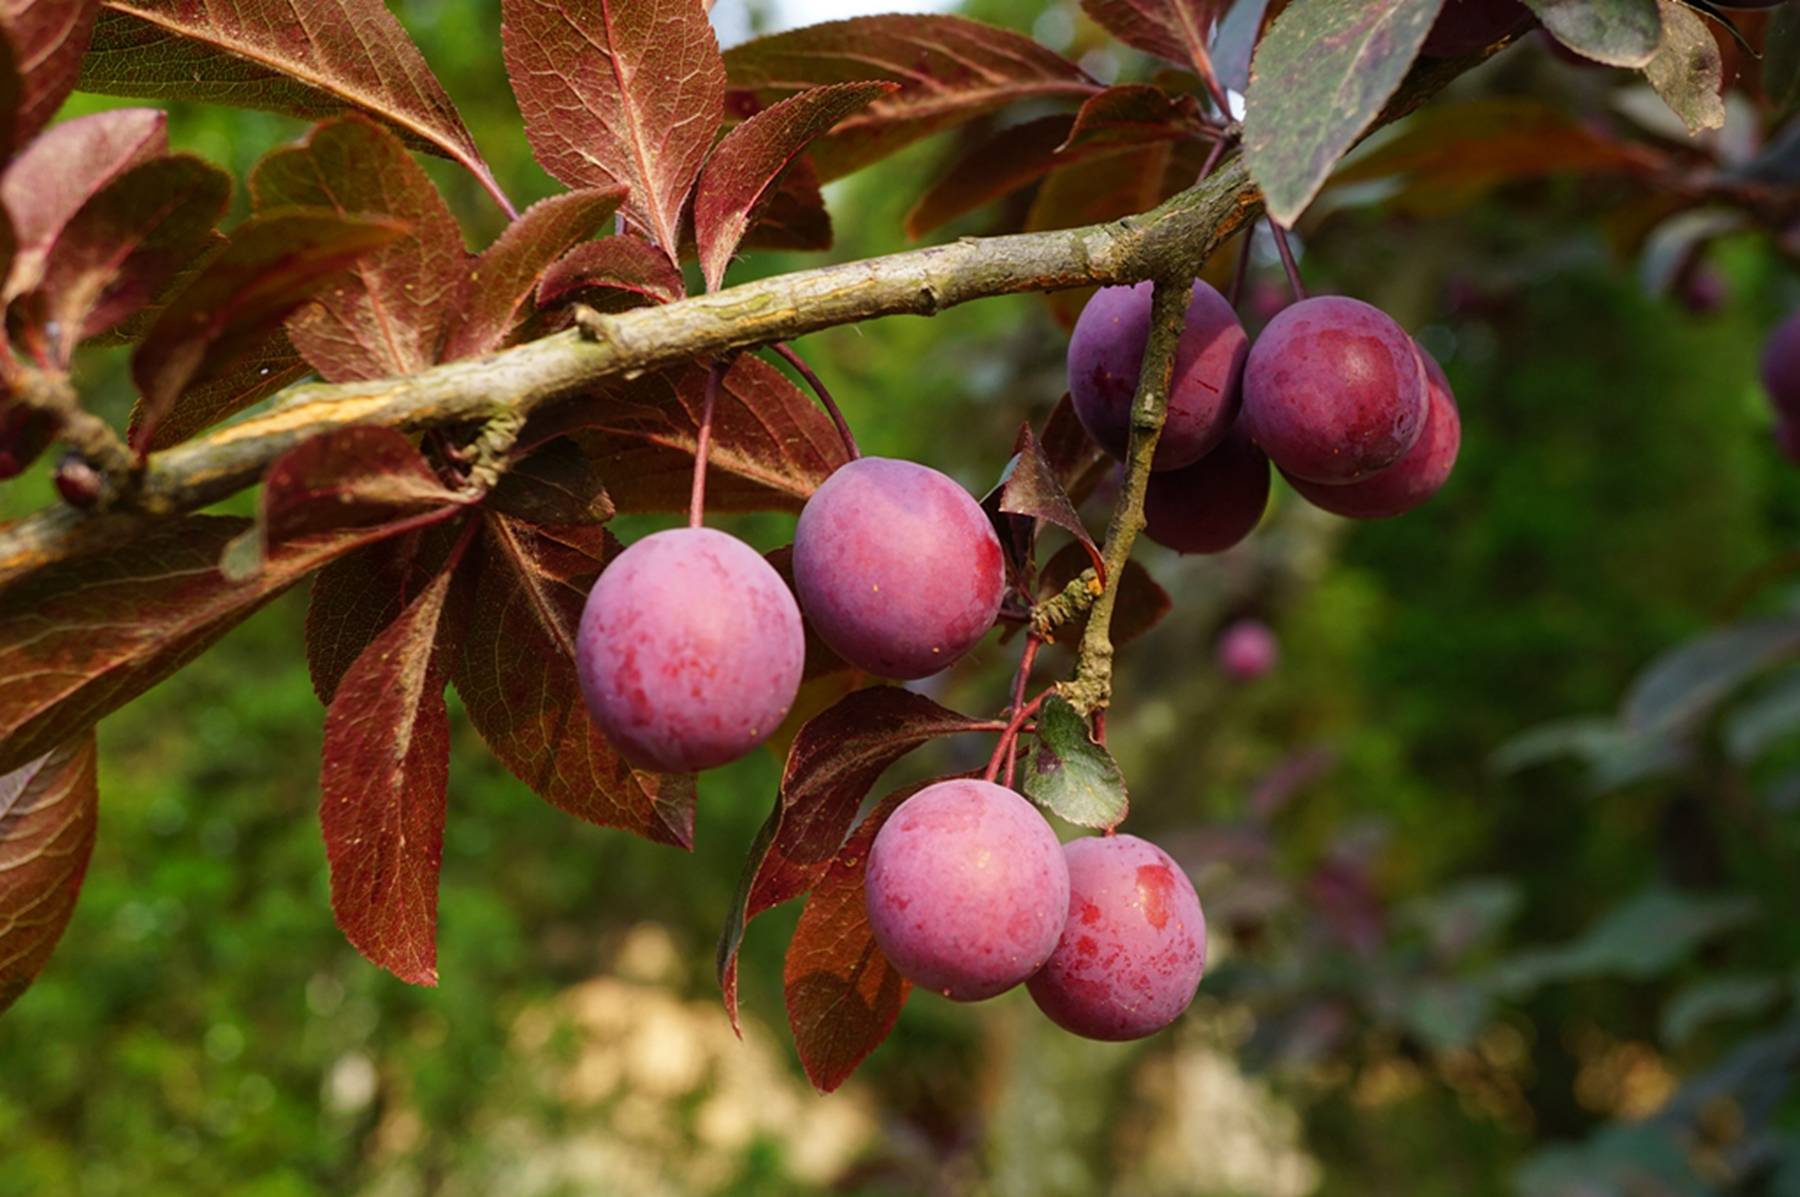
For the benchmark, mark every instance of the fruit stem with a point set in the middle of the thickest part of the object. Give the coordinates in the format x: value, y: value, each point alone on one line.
x: 1090, y: 689
x: 1010, y: 735
x: 825, y: 400
x: 1204, y: 68
x: 1023, y: 679
x: 703, y: 445
x: 1287, y: 259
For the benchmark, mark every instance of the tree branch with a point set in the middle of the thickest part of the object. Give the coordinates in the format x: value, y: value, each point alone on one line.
x: 1172, y: 240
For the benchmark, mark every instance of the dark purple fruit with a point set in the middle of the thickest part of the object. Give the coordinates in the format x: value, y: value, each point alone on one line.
x: 1211, y: 505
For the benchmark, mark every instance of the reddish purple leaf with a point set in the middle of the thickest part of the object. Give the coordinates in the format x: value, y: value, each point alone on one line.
x: 267, y: 367
x: 1074, y: 458
x: 357, y: 596
x: 382, y: 791
x: 48, y: 38
x: 515, y: 670
x: 275, y: 262
x: 556, y: 484
x: 314, y: 60
x: 1135, y: 114
x: 793, y: 215
x: 746, y: 164
x: 1173, y: 30
x: 993, y: 167
x: 771, y: 448
x: 387, y: 315
x: 502, y: 279
x: 949, y: 69
x: 55, y: 175
x: 835, y: 759
x: 12, y: 95
x: 612, y: 274
x: 125, y: 246
x: 1029, y: 491
x: 843, y: 996
x: 83, y: 636
x: 619, y: 93
x: 48, y: 813
x: 1141, y: 604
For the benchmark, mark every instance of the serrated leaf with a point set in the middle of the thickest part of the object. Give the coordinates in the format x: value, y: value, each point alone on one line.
x: 771, y: 447
x: 744, y: 167
x: 1688, y: 71
x: 349, y: 478
x: 333, y: 56
x: 950, y: 70
x: 124, y: 248
x: 387, y: 315
x: 556, y: 484
x: 611, y: 274
x: 1684, y: 685
x: 55, y: 175
x: 47, y: 39
x: 358, y: 595
x: 48, y: 814
x: 515, y: 670
x: 1623, y: 33
x: 617, y: 93
x: 382, y: 794
x: 1141, y: 605
x: 1322, y: 73
x: 275, y: 262
x: 843, y: 995
x: 1077, y: 462
x: 1068, y: 774
x: 83, y: 636
x: 1173, y: 30
x: 991, y: 168
x: 1134, y: 114
x: 835, y: 760
x: 793, y: 215
x: 503, y: 279
x: 1030, y: 491
x: 269, y: 366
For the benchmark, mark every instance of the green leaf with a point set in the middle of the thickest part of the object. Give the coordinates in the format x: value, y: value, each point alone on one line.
x: 1688, y: 71
x: 1715, y: 998
x: 1644, y: 937
x: 1070, y: 775
x: 1323, y: 72
x: 1624, y: 33
x: 1758, y: 724
x: 1683, y: 686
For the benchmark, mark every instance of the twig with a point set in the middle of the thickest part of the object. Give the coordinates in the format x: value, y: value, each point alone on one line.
x: 805, y: 371
x: 703, y: 445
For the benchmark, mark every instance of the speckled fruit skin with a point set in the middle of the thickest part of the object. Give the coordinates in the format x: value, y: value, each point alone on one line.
x: 897, y: 567
x: 1213, y: 504
x: 1781, y: 366
x: 967, y: 890
x: 1134, y: 948
x: 690, y: 650
x: 1467, y: 26
x: 1334, y: 391
x: 1106, y: 352
x: 1247, y: 650
x: 1413, y: 479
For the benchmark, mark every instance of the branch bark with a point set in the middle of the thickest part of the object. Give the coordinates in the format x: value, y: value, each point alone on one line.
x: 1173, y: 240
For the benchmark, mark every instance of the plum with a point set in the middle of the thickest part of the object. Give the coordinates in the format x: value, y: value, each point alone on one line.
x: 1469, y: 26
x: 1213, y: 504
x: 1334, y: 390
x: 1247, y: 649
x: 1414, y: 478
x: 967, y: 890
x: 897, y: 567
x: 1134, y: 948
x: 1106, y: 352
x: 690, y: 650
x: 1781, y: 366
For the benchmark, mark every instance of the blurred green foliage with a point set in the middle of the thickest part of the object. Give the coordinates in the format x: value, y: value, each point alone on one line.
x: 1506, y: 1025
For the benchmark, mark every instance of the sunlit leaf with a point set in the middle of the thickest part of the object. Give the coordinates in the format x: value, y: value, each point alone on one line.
x: 1068, y: 774
x: 1623, y: 33
x: 1173, y: 30
x: 611, y: 274
x: 1688, y: 71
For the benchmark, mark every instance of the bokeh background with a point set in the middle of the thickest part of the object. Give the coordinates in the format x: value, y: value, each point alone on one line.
x: 1471, y: 934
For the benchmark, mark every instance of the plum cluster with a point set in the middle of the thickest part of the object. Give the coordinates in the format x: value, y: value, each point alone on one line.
x: 1354, y: 413
x: 969, y: 894
x: 691, y: 646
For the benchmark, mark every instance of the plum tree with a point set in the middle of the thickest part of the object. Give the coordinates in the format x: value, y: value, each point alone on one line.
x: 1213, y: 504
x: 1470, y: 26
x: 1131, y: 955
x: 690, y: 650
x: 1413, y: 479
x: 1334, y: 390
x: 1247, y: 649
x: 1107, y: 349
x: 897, y: 567
x: 967, y: 889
